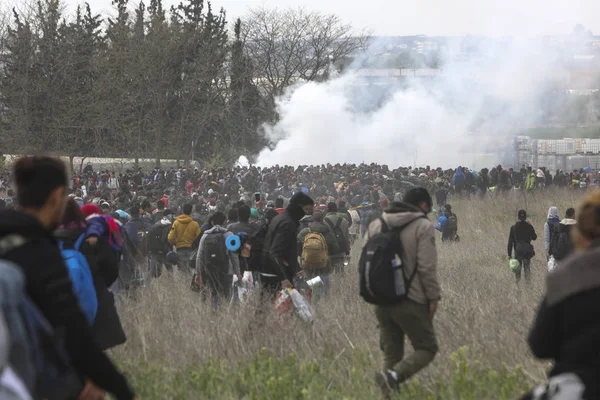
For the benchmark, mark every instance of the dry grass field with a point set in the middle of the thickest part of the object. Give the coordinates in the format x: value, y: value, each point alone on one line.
x: 178, y: 348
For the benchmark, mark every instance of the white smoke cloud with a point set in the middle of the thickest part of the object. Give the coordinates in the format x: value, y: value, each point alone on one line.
x: 445, y: 123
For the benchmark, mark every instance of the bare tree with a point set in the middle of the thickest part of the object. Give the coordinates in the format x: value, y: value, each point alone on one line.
x: 287, y: 46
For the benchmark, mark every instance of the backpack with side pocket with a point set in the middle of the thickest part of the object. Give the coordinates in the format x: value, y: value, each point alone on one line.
x: 383, y: 279
x: 314, y: 251
x: 216, y: 258
x: 343, y: 243
x: 81, y: 276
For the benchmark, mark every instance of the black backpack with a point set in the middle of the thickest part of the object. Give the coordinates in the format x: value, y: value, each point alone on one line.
x: 343, y: 244
x: 216, y: 258
x: 254, y: 248
x: 564, y: 245
x: 158, y: 239
x: 383, y: 279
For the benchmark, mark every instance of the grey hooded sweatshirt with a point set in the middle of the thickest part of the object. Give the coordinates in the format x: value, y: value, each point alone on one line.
x: 418, y: 239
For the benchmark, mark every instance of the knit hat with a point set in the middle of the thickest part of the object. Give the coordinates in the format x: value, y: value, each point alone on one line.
x: 301, y: 199
x: 90, y: 209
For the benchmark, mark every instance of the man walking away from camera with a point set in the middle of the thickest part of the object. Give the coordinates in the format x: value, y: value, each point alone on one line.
x: 41, y: 193
x: 280, y: 250
x: 413, y: 316
x: 562, y: 239
x: 519, y: 238
x: 159, y: 245
x: 183, y: 234
x: 215, y: 264
x: 339, y: 226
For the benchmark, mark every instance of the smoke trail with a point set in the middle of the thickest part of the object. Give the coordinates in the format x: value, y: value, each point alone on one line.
x: 498, y: 90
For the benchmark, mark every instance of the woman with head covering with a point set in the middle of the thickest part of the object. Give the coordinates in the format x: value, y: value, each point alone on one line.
x: 551, y: 223
x: 567, y: 326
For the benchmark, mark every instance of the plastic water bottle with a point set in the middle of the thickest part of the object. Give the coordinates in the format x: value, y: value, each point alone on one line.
x: 398, y: 276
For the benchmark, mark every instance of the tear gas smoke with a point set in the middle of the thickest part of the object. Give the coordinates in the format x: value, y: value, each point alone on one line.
x: 476, y: 105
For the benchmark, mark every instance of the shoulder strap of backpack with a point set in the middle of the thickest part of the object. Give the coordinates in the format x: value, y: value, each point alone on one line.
x: 328, y: 222
x: 79, y: 241
x: 339, y: 223
x: 384, y: 227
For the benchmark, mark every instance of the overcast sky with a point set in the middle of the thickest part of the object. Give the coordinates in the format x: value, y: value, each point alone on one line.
x: 430, y: 17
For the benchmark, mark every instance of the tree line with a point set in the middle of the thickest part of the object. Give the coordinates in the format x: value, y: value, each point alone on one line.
x: 180, y: 83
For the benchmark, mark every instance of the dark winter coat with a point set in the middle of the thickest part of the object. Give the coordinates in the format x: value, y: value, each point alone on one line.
x: 567, y: 326
x: 50, y: 288
x: 520, y: 237
x: 104, y: 265
x: 280, y: 251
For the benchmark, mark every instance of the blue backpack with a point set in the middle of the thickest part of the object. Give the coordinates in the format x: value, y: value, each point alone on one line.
x: 442, y: 223
x: 81, y: 275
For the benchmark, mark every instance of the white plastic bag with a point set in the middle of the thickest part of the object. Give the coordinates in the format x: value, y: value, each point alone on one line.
x: 551, y: 264
x: 247, y: 281
x: 302, y: 307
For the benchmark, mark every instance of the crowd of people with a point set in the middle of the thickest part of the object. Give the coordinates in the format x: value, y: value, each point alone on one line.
x: 98, y: 233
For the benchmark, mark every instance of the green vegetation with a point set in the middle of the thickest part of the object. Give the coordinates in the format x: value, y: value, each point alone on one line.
x: 270, y: 377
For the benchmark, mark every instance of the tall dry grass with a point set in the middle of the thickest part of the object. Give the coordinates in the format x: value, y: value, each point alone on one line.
x: 481, y: 307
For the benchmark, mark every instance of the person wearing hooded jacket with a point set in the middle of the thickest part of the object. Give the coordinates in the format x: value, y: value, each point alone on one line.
x: 566, y: 327
x: 183, y: 234
x: 280, y: 249
x: 551, y: 224
x: 459, y: 180
x: 412, y: 317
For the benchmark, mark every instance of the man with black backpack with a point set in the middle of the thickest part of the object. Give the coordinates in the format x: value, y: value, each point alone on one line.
x: 340, y: 228
x: 158, y: 244
x: 215, y: 264
x: 398, y: 273
x: 26, y: 240
x: 562, y: 244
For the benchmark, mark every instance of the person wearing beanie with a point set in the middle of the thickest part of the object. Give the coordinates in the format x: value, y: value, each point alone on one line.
x: 280, y: 249
x: 413, y: 316
x: 519, y: 238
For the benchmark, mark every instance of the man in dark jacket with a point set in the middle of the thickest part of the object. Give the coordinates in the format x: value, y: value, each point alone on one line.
x: 280, y: 251
x: 562, y: 244
x: 520, y: 237
x: 42, y: 183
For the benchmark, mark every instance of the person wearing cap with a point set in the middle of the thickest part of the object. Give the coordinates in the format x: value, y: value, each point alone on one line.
x: 280, y: 249
x: 413, y: 317
x: 519, y: 238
